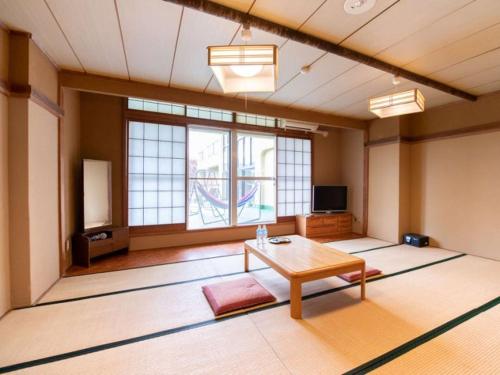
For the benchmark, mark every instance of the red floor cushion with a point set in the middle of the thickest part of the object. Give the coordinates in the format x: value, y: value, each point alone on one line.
x: 236, y: 294
x: 356, y: 275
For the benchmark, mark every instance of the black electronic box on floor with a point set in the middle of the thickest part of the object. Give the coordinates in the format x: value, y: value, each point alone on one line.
x: 416, y: 240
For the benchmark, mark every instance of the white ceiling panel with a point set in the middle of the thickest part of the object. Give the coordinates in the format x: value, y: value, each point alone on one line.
x: 285, y: 12
x: 149, y: 33
x: 459, y: 51
x: 486, y: 88
x: 332, y: 23
x: 92, y: 29
x: 325, y: 69
x: 34, y: 16
x: 469, y: 67
x: 198, y: 31
x: 400, y: 21
x: 479, y: 79
x: 346, y: 81
x: 451, y: 28
x: 361, y: 92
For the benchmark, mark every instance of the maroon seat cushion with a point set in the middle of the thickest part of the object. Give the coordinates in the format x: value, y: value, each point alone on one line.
x: 356, y: 275
x: 236, y: 294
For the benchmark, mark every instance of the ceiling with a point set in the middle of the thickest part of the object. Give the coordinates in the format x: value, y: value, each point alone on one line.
x: 453, y: 41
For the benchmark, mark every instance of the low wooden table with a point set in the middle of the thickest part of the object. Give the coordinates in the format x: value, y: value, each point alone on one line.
x: 304, y: 260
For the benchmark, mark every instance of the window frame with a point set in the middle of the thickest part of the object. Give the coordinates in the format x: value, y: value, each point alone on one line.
x: 185, y: 121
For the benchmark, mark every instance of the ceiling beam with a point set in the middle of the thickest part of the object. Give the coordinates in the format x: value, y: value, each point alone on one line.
x: 313, y: 41
x: 124, y: 87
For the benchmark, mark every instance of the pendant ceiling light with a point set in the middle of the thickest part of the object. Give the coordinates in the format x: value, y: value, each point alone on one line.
x: 400, y: 103
x: 245, y: 68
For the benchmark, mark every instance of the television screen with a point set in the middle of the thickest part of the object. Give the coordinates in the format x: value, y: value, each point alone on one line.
x: 329, y: 198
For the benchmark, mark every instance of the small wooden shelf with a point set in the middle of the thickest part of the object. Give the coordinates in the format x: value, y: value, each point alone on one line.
x: 84, y: 249
x: 324, y: 225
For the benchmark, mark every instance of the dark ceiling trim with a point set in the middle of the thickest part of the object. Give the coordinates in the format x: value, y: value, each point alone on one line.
x: 304, y: 38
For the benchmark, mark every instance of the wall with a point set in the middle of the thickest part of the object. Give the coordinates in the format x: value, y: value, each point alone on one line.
x: 4, y: 188
x: 326, y: 159
x: 43, y: 199
x: 351, y: 147
x: 383, y: 192
x: 102, y: 139
x: 71, y: 170
x: 455, y: 193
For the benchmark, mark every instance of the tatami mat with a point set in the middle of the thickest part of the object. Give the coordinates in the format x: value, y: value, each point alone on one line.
x: 358, y: 244
x: 470, y: 348
x: 108, y: 282
x: 337, y: 333
x: 38, y: 332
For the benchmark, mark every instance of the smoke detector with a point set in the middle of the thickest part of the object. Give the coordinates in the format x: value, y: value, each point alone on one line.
x: 358, y: 6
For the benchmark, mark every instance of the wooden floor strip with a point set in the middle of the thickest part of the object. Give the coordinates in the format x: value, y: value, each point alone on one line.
x: 110, y: 345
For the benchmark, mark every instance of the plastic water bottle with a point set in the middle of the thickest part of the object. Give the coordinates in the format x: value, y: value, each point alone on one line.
x: 259, y: 234
x: 264, y: 234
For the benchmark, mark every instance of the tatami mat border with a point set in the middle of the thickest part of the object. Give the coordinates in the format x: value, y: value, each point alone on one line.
x: 422, y: 339
x: 97, y: 348
x: 162, y: 285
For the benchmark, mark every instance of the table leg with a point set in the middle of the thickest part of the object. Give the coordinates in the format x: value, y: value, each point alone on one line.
x: 246, y: 259
x: 363, y: 282
x: 295, y: 299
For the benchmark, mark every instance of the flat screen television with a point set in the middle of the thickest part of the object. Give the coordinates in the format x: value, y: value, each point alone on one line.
x: 329, y: 198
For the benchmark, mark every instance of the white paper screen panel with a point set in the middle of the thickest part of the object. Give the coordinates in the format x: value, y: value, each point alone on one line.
x: 156, y: 174
x: 294, y: 176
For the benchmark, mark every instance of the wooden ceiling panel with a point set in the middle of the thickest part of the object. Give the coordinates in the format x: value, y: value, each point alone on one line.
x: 333, y: 88
x: 462, y: 50
x: 486, y: 88
x: 92, y: 30
x: 198, y: 31
x: 479, y: 79
x: 332, y: 23
x: 291, y: 13
x: 447, y: 30
x: 149, y: 33
x: 34, y: 16
x: 398, y: 22
x: 469, y: 67
x: 361, y: 92
x: 323, y: 70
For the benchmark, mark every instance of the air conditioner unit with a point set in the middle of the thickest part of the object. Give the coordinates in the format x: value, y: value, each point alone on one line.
x: 302, y: 126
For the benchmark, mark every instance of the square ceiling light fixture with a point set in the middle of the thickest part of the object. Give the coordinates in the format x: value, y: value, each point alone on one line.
x: 400, y: 103
x: 245, y: 68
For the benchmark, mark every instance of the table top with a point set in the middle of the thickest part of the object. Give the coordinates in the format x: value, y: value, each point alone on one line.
x: 302, y: 255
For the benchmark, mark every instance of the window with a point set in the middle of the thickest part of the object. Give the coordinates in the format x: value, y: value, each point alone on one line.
x: 256, y: 178
x: 156, y: 174
x: 155, y: 106
x: 209, y: 199
x: 247, y: 118
x: 209, y: 113
x: 294, y: 176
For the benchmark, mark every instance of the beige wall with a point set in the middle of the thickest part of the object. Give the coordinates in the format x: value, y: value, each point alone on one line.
x: 42, y: 73
x: 455, y: 193
x: 326, y: 159
x: 102, y: 139
x: 4, y: 210
x: 383, y: 192
x: 43, y: 199
x: 71, y: 170
x: 4, y: 180
x: 351, y: 145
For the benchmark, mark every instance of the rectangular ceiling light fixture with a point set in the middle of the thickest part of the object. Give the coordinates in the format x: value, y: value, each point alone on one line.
x: 246, y: 68
x: 400, y: 103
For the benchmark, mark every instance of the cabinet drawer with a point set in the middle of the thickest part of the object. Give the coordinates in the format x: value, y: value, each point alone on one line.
x: 345, y: 219
x: 320, y: 231
x: 315, y: 222
x: 330, y: 220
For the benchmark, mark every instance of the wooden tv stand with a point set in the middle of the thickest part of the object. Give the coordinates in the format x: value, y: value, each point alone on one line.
x: 84, y: 249
x: 324, y: 225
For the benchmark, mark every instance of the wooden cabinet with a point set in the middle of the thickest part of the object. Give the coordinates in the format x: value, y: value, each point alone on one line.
x: 324, y: 225
x: 84, y: 248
